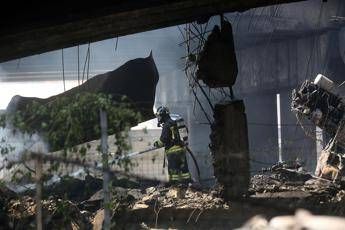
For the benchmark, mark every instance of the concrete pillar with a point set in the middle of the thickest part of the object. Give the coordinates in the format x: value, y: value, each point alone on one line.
x: 230, y: 149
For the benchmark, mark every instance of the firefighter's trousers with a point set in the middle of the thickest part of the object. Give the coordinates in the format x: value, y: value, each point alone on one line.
x: 177, y: 164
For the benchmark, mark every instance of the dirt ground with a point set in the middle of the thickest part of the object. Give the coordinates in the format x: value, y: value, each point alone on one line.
x: 136, y: 207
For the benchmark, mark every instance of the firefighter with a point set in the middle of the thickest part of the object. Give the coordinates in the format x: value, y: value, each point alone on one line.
x: 174, y: 148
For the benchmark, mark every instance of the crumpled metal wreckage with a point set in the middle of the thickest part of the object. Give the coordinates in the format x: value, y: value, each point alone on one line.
x: 320, y: 102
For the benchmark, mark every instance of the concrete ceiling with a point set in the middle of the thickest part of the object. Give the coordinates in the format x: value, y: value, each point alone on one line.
x: 28, y: 28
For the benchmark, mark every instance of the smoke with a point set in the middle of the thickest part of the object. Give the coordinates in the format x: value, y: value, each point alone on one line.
x: 14, y: 144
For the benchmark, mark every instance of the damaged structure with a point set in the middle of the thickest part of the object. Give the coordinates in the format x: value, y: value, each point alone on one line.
x: 117, y: 83
x: 318, y: 101
x: 236, y: 102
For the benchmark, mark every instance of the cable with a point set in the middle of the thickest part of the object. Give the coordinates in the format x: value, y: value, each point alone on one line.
x: 78, y: 66
x: 86, y: 58
x: 18, y: 63
x: 88, y: 62
x: 116, y: 42
x: 63, y: 70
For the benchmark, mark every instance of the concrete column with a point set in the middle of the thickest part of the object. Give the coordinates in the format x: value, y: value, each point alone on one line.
x: 229, y: 146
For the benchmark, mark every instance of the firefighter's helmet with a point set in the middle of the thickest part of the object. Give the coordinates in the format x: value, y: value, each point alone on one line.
x: 162, y: 114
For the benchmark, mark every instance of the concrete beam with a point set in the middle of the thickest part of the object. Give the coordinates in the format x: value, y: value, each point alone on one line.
x: 42, y: 28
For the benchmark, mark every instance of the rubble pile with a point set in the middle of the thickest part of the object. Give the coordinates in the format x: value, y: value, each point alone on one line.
x: 73, y: 188
x: 320, y: 103
x: 294, y: 189
x: 322, y: 107
x: 181, y: 198
x: 5, y: 196
x: 264, y: 183
x: 339, y: 197
x: 173, y: 205
x: 70, y: 203
x: 57, y: 213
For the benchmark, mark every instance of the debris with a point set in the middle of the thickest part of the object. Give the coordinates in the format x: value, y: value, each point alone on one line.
x: 98, y: 220
x: 58, y: 214
x: 74, y: 189
x: 175, y: 193
x: 183, y: 198
x: 318, y: 102
x: 322, y: 107
x: 301, y: 220
x: 217, y: 64
x: 140, y: 206
x: 150, y: 190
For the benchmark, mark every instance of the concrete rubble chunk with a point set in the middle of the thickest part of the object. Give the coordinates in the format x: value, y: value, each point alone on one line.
x: 176, y: 193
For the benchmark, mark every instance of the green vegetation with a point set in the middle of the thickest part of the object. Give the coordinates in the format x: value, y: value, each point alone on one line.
x: 67, y: 122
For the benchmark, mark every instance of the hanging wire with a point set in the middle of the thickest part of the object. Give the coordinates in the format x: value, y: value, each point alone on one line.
x: 194, y: 41
x: 78, y: 54
x: 85, y: 63
x: 18, y: 63
x: 63, y: 70
x: 88, y: 63
x: 117, y: 41
x: 115, y: 45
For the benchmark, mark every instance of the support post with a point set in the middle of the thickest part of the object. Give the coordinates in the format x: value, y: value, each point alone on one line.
x: 280, y: 157
x: 106, y: 181
x: 39, y: 193
x: 319, y: 142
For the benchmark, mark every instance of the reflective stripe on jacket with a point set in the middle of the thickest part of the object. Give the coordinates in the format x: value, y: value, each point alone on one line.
x: 179, y: 177
x: 175, y: 149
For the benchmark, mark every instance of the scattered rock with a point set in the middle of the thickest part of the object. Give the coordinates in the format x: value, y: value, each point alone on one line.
x: 182, y: 198
x: 57, y: 214
x: 176, y: 193
x: 150, y: 190
x: 139, y: 206
x: 98, y: 220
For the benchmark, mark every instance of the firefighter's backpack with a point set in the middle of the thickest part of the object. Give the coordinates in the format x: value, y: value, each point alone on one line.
x: 181, y: 127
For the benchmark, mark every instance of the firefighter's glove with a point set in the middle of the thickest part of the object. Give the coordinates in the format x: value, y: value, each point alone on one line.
x: 156, y: 144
